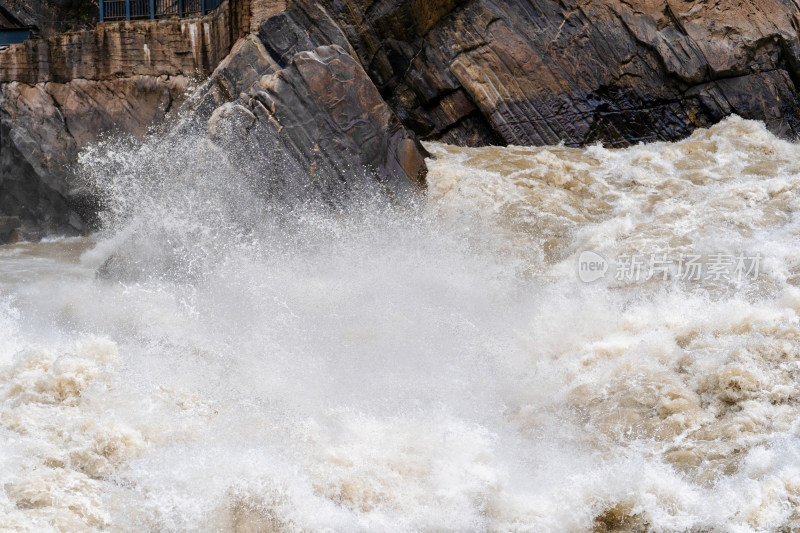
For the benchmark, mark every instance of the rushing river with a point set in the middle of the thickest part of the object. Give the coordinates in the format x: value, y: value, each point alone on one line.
x: 551, y: 339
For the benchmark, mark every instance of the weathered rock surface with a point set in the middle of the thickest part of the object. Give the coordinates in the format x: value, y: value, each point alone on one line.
x: 59, y: 94
x: 320, y: 116
x: 534, y: 72
x: 42, y: 127
x: 168, y: 47
x: 9, y: 227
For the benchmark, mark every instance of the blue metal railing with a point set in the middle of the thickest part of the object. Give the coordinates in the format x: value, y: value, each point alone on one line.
x: 151, y: 9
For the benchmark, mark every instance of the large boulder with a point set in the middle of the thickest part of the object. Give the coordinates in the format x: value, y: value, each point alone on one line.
x: 322, y: 119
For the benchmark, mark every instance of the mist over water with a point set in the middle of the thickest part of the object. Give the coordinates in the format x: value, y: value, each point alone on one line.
x: 215, y: 360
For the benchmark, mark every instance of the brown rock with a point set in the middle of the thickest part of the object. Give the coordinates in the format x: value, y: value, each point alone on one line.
x: 539, y: 72
x: 167, y: 47
x: 325, y: 122
x: 8, y: 229
x: 43, y: 126
x: 60, y: 94
x: 312, y: 85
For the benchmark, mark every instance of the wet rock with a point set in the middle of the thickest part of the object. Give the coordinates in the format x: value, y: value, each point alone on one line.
x: 330, y: 86
x: 534, y: 72
x: 61, y: 93
x: 42, y: 128
x: 247, y: 62
x: 323, y: 118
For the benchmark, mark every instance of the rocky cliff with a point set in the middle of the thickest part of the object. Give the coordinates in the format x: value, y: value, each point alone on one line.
x: 337, y: 85
x: 42, y: 128
x: 534, y: 72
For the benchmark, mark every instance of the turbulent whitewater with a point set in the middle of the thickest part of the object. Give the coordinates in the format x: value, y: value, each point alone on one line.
x: 215, y: 361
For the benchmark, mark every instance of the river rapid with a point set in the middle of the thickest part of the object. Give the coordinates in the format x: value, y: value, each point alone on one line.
x: 549, y: 339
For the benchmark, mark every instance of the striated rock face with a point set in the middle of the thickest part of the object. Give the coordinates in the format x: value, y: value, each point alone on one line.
x: 534, y: 72
x: 168, y: 47
x: 314, y: 109
x: 321, y: 119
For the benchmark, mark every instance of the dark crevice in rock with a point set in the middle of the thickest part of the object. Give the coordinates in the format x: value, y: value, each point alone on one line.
x: 469, y: 130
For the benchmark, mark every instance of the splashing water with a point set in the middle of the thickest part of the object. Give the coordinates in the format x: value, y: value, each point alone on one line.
x: 244, y: 365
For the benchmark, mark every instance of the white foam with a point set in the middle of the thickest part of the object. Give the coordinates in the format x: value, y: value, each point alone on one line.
x: 425, y: 369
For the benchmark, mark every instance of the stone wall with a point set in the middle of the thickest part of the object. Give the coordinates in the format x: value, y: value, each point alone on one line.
x: 166, y: 47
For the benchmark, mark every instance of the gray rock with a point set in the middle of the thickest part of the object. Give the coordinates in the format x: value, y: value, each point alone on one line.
x: 42, y: 128
x: 324, y: 122
x: 534, y: 72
